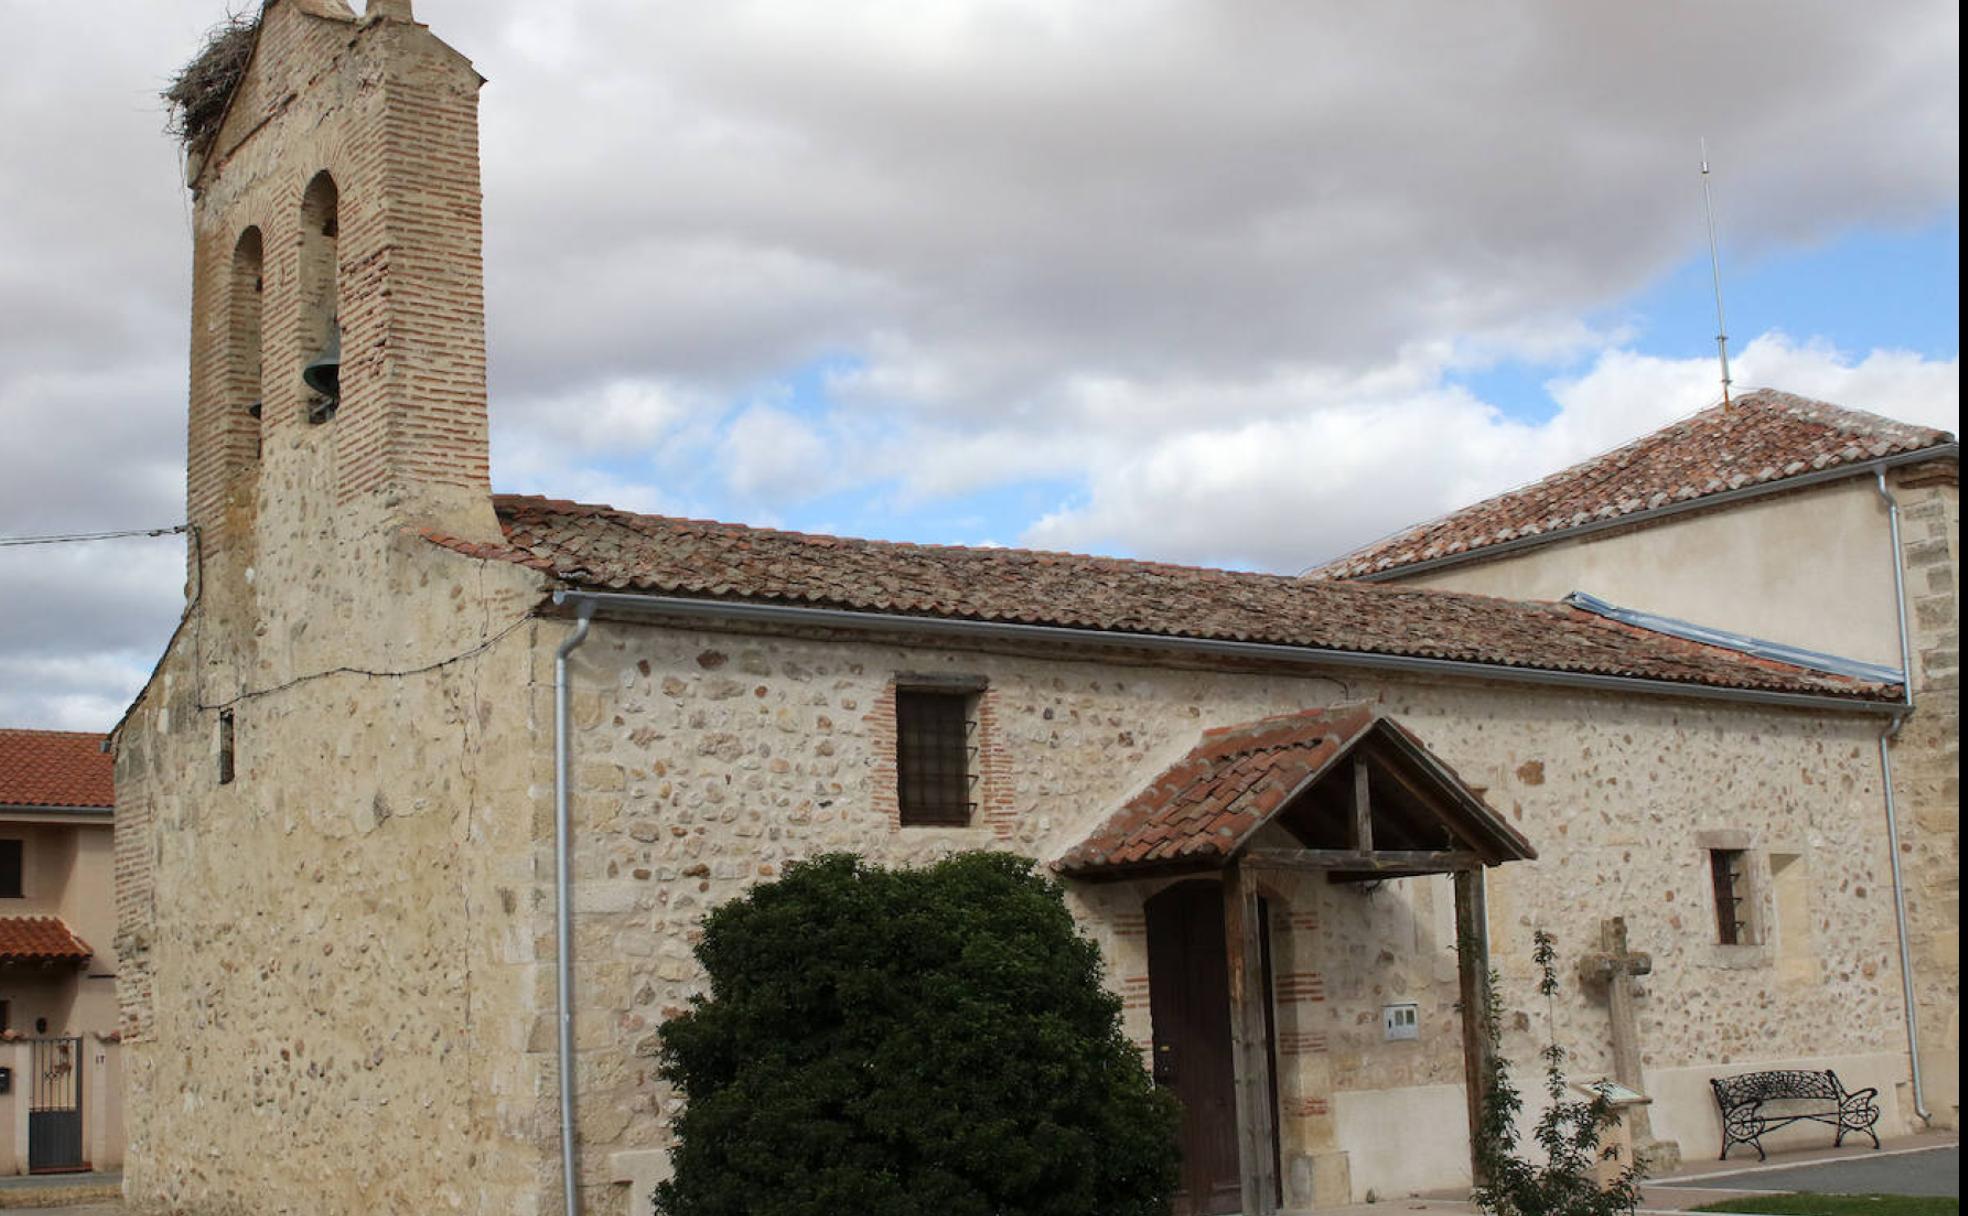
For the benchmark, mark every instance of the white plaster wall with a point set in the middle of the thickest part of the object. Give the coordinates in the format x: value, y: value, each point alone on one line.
x: 1402, y: 1141
x: 1812, y: 568
x: 1684, y: 1106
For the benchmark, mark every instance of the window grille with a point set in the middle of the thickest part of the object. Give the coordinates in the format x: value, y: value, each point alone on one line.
x: 934, y: 757
x: 1730, y: 872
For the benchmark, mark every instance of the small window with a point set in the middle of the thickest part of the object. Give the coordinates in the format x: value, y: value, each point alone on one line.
x: 225, y: 747
x: 11, y: 853
x: 935, y: 732
x: 1730, y: 871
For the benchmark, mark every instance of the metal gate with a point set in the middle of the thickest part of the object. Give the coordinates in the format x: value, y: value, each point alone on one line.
x: 54, y: 1108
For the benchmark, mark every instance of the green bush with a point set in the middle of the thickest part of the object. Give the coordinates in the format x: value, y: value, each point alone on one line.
x: 907, y: 1043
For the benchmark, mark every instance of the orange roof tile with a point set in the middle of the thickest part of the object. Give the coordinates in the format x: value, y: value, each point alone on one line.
x: 40, y: 939
x: 55, y: 768
x: 1202, y: 809
x: 605, y: 549
x: 1761, y: 438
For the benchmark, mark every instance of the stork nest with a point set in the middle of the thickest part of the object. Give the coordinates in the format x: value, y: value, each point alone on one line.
x: 197, y: 95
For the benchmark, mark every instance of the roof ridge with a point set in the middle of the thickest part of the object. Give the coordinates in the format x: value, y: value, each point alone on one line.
x: 1580, y: 469
x: 1735, y: 431
x: 825, y: 539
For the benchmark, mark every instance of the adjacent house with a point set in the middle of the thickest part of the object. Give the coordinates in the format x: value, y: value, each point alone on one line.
x: 1804, y: 529
x: 57, y: 969
x: 421, y: 810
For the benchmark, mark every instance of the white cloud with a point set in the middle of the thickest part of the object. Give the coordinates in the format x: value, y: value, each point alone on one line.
x: 1212, y: 263
x: 773, y: 456
x: 1286, y: 493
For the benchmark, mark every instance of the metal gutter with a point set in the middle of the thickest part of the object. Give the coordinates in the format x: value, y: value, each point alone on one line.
x: 564, y: 907
x: 1944, y: 451
x: 671, y: 607
x: 1886, y: 738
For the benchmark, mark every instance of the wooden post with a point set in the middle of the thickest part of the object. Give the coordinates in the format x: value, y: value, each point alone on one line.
x: 1250, y: 1044
x: 1473, y: 969
x: 1362, y: 807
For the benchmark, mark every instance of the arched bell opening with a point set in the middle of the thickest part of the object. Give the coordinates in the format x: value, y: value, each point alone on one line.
x: 246, y: 296
x: 319, y: 314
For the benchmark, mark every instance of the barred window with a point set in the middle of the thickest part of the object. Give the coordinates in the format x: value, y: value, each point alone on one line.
x: 1730, y: 871
x: 935, y: 750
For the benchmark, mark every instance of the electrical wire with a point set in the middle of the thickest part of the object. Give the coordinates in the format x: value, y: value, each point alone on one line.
x: 73, y: 537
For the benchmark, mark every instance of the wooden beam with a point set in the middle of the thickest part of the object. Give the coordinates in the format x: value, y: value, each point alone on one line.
x: 1250, y: 1044
x: 1362, y: 806
x: 1473, y: 971
x: 1432, y: 861
x: 1431, y: 800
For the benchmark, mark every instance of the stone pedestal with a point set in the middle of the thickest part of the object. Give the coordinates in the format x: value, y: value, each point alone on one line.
x: 1631, y: 1134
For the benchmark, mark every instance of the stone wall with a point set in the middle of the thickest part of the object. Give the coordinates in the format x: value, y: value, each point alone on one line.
x: 1813, y: 567
x: 1926, y: 772
x: 322, y: 993
x: 707, y: 761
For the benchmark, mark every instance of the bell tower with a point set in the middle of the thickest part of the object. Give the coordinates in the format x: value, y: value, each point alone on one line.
x: 338, y: 335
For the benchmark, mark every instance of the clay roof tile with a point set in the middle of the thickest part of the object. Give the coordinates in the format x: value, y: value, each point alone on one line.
x: 55, y: 768
x: 40, y: 939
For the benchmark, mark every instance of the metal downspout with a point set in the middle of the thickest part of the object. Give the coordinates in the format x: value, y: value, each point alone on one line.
x: 564, y: 907
x: 1892, y: 813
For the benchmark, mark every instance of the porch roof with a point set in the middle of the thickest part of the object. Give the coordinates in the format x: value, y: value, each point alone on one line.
x: 1205, y: 810
x: 40, y: 939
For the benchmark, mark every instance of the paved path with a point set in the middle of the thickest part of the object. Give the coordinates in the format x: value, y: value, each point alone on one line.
x: 1927, y: 1171
x: 1930, y: 1159
x: 88, y: 1194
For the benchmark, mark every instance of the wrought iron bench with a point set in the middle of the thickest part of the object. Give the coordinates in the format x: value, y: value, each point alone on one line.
x: 1815, y: 1096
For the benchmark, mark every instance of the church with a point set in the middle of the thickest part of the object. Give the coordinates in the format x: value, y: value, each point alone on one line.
x: 421, y: 809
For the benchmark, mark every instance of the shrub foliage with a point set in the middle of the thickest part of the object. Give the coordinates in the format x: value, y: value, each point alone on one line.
x: 1568, y: 1133
x: 898, y: 1042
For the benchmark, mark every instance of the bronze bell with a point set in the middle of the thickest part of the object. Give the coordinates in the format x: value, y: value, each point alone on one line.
x: 323, y: 374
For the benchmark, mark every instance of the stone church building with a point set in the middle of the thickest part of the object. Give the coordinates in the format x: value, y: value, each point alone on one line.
x: 399, y: 708
x: 1798, y: 524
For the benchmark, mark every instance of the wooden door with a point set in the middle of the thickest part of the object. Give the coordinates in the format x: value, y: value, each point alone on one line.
x: 1189, y: 1001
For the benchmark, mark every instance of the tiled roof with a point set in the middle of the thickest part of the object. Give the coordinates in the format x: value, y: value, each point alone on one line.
x: 604, y: 549
x: 55, y: 768
x: 1761, y: 437
x: 40, y: 939
x: 1203, y: 808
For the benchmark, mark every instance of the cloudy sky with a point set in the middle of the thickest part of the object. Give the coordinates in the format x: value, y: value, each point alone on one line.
x: 1245, y: 282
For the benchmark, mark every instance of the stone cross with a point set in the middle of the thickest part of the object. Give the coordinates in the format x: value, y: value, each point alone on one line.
x: 1615, y: 966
